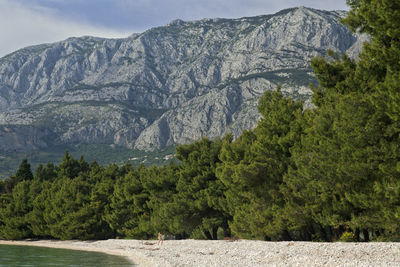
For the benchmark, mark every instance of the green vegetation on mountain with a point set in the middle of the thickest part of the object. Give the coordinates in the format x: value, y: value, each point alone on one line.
x: 101, y: 153
x: 329, y: 173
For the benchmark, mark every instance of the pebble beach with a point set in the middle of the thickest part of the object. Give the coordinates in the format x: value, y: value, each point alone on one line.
x: 236, y: 253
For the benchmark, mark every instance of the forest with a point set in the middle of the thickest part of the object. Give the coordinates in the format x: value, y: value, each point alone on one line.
x: 328, y: 173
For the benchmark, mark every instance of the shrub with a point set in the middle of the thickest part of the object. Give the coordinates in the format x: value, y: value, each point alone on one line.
x: 220, y: 233
x: 347, y: 237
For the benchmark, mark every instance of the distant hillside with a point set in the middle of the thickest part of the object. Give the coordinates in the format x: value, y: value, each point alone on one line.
x: 166, y: 86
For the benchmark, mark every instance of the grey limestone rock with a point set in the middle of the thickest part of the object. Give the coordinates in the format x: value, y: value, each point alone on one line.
x: 165, y: 86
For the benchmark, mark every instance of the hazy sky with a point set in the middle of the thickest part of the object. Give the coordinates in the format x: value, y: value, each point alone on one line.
x: 30, y: 22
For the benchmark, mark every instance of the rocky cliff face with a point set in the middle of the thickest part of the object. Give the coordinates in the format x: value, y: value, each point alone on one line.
x: 168, y: 85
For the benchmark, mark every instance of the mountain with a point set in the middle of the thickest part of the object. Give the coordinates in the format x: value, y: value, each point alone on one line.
x: 166, y: 86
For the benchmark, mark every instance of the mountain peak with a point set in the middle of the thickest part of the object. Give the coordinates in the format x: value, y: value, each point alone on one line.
x: 165, y: 86
x: 176, y: 22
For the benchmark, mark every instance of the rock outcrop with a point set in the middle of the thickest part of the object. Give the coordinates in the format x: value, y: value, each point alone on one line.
x: 165, y: 86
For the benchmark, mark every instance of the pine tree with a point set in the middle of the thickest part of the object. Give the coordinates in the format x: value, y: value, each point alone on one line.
x: 253, y: 166
x: 379, y: 67
x: 24, y: 171
x: 346, y: 173
x: 196, y: 209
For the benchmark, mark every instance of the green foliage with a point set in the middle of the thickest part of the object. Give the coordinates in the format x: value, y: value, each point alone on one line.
x: 324, y: 174
x: 253, y: 166
x: 347, y: 237
x: 198, y: 233
x: 220, y: 233
x: 102, y: 153
x: 380, y: 18
x: 345, y: 173
x: 24, y: 171
x: 128, y: 207
x: 198, y: 204
x: 14, y: 224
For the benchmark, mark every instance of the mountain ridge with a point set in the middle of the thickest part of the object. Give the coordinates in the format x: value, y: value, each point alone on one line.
x: 168, y: 85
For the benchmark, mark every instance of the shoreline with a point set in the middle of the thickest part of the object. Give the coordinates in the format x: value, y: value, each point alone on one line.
x: 90, y: 246
x: 237, y: 253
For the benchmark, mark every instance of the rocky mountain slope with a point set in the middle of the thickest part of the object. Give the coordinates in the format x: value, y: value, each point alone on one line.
x: 168, y: 85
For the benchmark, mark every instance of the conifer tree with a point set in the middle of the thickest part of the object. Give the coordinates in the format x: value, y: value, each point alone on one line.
x: 24, y: 171
x: 127, y: 206
x: 379, y: 68
x: 253, y: 166
x: 346, y: 175
x: 13, y: 220
x: 196, y: 209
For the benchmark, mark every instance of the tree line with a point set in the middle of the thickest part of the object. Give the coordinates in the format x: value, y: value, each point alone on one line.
x: 327, y: 173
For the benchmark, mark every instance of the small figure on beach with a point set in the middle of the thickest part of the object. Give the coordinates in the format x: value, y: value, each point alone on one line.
x: 160, y: 238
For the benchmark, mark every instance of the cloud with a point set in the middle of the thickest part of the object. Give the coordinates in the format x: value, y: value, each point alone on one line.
x: 22, y: 26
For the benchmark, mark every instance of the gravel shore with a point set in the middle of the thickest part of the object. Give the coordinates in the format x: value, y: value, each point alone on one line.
x: 236, y: 253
